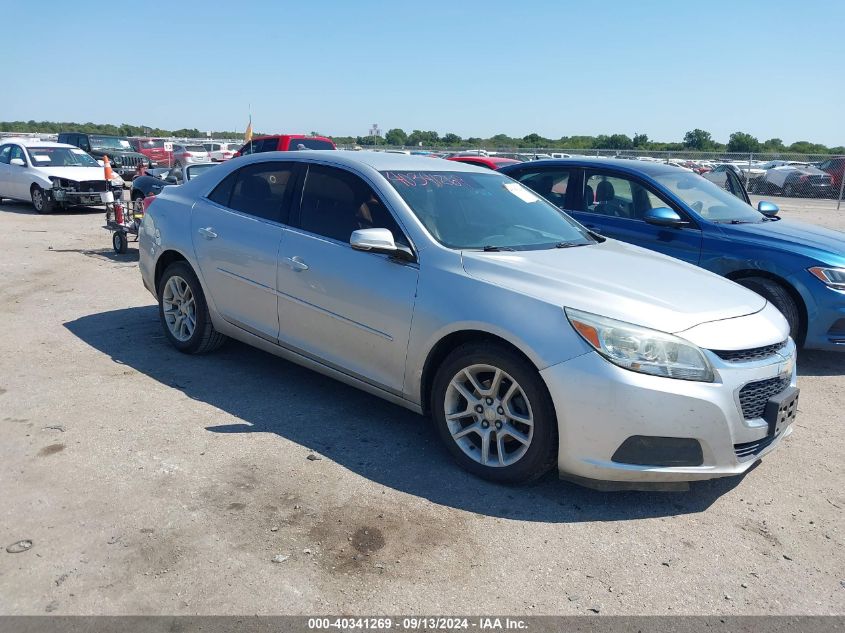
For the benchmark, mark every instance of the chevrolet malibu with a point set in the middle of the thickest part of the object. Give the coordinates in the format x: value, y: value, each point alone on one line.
x: 458, y: 293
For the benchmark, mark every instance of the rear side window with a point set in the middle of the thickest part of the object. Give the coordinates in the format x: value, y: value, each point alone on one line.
x: 5, y: 153
x: 223, y: 191
x: 260, y: 189
x: 552, y: 184
x: 267, y: 145
x: 335, y: 203
x: 308, y: 143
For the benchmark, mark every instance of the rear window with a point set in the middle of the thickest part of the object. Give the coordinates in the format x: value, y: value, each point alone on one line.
x: 195, y: 148
x: 309, y: 143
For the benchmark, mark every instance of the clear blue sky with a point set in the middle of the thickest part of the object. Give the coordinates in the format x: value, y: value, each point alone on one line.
x: 772, y: 68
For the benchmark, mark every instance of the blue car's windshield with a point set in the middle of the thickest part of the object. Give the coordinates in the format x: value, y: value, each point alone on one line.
x: 710, y: 201
x: 485, y: 211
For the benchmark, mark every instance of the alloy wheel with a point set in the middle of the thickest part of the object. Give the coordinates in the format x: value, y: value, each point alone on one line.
x: 180, y: 308
x: 489, y: 416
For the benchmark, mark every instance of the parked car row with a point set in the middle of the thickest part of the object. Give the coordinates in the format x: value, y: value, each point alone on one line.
x: 507, y: 305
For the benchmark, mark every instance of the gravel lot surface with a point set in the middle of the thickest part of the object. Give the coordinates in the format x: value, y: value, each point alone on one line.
x: 151, y: 482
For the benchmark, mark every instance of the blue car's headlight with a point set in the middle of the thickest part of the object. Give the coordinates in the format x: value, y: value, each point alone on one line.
x: 833, y: 277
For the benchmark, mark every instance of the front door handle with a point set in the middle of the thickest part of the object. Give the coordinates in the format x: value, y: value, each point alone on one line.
x: 207, y: 232
x: 296, y: 264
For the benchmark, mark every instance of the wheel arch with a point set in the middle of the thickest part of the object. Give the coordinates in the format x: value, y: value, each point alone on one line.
x: 736, y: 275
x: 445, y: 346
x: 164, y: 260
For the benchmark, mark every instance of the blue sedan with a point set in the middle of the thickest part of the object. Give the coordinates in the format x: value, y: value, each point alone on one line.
x: 798, y: 267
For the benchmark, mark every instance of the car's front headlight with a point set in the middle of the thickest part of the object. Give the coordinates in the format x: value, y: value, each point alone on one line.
x: 833, y: 277
x: 641, y: 349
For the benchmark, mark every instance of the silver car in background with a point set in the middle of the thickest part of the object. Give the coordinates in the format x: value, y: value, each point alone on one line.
x: 458, y: 293
x: 189, y: 155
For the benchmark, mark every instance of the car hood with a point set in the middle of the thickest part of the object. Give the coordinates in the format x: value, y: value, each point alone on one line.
x: 798, y: 237
x: 74, y: 173
x: 619, y: 281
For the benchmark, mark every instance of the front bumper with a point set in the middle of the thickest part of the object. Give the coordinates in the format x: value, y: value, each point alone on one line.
x: 67, y: 196
x: 825, y: 313
x: 600, y: 405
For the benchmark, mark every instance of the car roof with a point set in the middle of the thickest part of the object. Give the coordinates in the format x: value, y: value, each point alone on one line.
x: 632, y: 166
x: 380, y: 161
x: 27, y: 142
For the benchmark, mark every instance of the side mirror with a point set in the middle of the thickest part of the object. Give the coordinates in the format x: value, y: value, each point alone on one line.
x: 378, y: 241
x: 769, y: 209
x: 664, y: 216
x: 17, y: 161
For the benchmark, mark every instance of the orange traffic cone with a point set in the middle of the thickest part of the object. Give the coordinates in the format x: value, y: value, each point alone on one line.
x: 107, y: 168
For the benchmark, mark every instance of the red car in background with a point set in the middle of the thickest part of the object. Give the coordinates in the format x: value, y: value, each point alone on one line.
x: 835, y: 167
x: 490, y: 162
x: 153, y: 148
x: 284, y: 143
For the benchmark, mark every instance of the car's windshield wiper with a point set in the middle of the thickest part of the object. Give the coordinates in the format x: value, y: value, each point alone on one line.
x: 496, y: 249
x: 569, y: 244
x: 734, y: 222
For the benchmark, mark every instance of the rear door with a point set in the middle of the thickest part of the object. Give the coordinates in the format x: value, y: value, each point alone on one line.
x: 236, y: 232
x: 349, y: 309
x: 614, y: 205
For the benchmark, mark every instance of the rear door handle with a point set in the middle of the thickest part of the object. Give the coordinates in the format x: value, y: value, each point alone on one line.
x: 207, y: 232
x: 296, y: 264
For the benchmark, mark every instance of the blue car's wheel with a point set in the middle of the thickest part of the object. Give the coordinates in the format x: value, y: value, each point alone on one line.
x: 780, y: 297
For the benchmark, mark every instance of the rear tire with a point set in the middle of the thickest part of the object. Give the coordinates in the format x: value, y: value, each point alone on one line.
x: 789, y: 191
x: 39, y: 200
x: 183, y: 311
x: 486, y: 389
x: 779, y: 297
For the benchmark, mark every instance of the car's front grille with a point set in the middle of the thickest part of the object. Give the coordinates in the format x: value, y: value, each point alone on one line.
x: 748, y: 355
x: 751, y: 449
x: 93, y: 185
x: 130, y: 161
x: 754, y: 396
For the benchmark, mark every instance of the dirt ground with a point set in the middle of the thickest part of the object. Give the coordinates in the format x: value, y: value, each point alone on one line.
x: 151, y: 482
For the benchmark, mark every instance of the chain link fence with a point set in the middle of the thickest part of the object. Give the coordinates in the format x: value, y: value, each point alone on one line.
x: 785, y: 174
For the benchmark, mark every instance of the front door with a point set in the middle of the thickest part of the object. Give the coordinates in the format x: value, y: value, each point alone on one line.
x: 614, y: 205
x: 347, y: 308
x: 236, y: 233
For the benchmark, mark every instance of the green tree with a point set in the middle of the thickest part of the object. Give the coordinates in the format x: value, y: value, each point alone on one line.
x: 806, y: 147
x: 773, y: 145
x: 426, y: 138
x: 535, y: 140
x: 743, y: 142
x: 396, y: 136
x: 451, y: 139
x: 640, y: 140
x: 697, y: 139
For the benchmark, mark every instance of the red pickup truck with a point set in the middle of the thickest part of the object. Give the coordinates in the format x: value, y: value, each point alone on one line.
x: 153, y: 148
x: 284, y: 143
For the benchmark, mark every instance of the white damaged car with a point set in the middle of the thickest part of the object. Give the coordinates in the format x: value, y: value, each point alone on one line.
x: 52, y: 175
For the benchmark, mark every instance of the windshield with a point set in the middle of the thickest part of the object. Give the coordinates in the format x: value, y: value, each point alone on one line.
x: 469, y: 210
x: 197, y: 170
x: 708, y: 200
x: 109, y: 142
x: 60, y: 157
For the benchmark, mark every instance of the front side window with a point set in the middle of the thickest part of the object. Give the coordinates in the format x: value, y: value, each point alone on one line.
x: 335, y: 203
x: 467, y: 210
x: 267, y: 145
x: 17, y: 152
x: 707, y: 199
x: 617, y: 196
x: 259, y: 190
x: 5, y: 154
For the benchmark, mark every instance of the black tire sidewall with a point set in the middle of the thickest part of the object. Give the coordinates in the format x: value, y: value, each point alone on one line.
x: 779, y: 297
x: 46, y: 205
x: 543, y: 450
x: 119, y: 242
x: 184, y: 270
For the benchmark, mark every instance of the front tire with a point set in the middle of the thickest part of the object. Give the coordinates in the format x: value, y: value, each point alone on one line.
x: 779, y: 297
x: 183, y: 311
x: 39, y: 200
x: 494, y: 413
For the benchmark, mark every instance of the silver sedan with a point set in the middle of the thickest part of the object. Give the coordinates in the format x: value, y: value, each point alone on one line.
x: 458, y: 293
